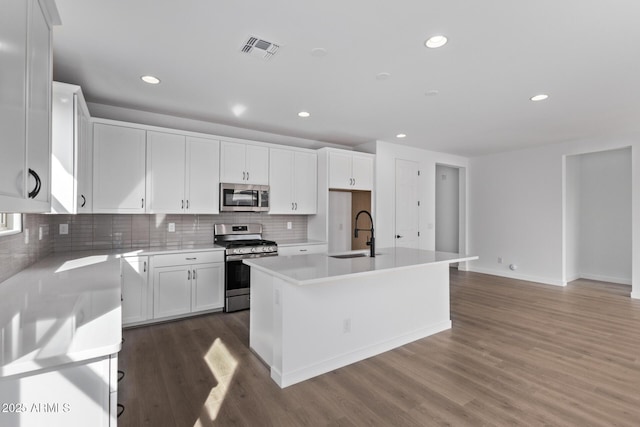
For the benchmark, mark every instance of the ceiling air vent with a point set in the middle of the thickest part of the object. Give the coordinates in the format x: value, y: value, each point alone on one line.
x: 260, y: 48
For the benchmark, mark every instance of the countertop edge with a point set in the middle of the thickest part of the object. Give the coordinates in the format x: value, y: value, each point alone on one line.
x: 293, y: 281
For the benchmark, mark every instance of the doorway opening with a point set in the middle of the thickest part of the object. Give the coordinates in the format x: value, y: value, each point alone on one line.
x: 597, y: 217
x: 450, y: 219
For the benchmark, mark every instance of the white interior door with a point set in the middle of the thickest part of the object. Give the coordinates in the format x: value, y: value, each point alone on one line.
x: 407, y: 208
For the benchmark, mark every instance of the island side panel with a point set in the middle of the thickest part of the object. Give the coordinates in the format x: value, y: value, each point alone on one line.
x: 261, y: 322
x: 338, y: 322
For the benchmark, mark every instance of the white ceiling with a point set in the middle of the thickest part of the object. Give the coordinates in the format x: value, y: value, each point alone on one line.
x: 584, y: 53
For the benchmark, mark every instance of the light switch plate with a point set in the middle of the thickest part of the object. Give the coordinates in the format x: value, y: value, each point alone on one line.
x: 289, y: 225
x: 172, y: 227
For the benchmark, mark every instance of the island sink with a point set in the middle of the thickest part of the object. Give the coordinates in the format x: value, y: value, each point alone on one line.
x: 356, y: 255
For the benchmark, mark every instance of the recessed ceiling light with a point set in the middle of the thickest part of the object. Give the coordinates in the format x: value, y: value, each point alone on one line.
x: 303, y: 114
x: 432, y: 92
x: 319, y: 52
x: 150, y: 79
x: 435, y: 41
x: 383, y: 76
x: 540, y: 97
x: 401, y: 135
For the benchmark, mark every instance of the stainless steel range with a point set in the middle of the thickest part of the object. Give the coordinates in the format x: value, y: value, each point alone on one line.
x: 241, y: 241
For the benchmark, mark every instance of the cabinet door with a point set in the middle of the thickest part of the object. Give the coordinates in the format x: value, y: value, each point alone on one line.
x: 12, y: 102
x: 165, y: 173
x: 362, y: 173
x: 257, y: 165
x: 281, y: 165
x: 85, y: 163
x: 118, y: 169
x: 207, y: 288
x: 63, y: 150
x: 305, y: 183
x: 171, y: 291
x: 39, y: 104
x: 340, y: 170
x: 203, y: 176
x: 232, y: 163
x: 134, y: 289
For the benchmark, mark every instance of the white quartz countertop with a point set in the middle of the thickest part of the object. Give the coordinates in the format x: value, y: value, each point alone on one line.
x: 169, y: 249
x: 316, y: 268
x: 299, y: 242
x: 63, y: 309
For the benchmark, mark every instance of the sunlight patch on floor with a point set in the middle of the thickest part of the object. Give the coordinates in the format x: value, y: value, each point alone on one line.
x: 223, y: 366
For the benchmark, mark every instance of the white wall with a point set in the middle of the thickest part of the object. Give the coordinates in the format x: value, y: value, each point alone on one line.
x: 386, y: 155
x: 572, y: 217
x: 447, y: 209
x: 516, y: 210
x: 605, y: 216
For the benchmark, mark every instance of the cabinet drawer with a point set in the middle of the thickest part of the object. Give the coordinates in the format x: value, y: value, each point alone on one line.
x: 187, y: 258
x: 302, y: 250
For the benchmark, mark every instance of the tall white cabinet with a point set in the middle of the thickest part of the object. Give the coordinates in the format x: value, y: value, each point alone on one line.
x: 182, y: 174
x: 293, y: 181
x: 119, y: 156
x: 71, y: 146
x: 25, y: 105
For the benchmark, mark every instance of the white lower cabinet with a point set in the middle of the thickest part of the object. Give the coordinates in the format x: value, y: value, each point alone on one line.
x: 304, y: 249
x: 187, y: 283
x: 75, y: 395
x: 134, y: 272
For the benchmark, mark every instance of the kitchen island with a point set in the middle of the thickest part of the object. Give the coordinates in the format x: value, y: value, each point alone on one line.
x: 311, y: 314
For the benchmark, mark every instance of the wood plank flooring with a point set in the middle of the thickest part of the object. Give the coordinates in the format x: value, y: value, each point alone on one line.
x: 518, y: 354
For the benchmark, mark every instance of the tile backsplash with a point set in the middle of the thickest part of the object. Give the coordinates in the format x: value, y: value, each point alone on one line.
x: 16, y: 254
x: 104, y: 231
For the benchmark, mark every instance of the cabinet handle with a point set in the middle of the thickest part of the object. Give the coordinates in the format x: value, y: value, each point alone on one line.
x: 84, y: 201
x: 142, y: 202
x: 188, y: 274
x: 303, y: 250
x: 296, y: 206
x: 37, y: 188
x: 182, y: 204
x: 144, y: 267
x: 194, y: 275
x: 247, y: 176
x: 187, y: 204
x: 244, y: 175
x: 398, y: 236
x: 292, y: 205
x: 191, y: 259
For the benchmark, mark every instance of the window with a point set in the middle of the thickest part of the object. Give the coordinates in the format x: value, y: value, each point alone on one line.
x: 10, y: 224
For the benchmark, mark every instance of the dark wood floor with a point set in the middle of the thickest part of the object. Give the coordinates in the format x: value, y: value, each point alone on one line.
x: 518, y: 354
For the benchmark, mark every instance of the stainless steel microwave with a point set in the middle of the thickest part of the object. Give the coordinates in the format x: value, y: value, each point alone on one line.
x: 244, y: 198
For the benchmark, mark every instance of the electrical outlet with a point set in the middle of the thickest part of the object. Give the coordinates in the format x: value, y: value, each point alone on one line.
x: 346, y: 325
x: 26, y: 236
x: 172, y: 227
x: 64, y: 228
x: 289, y: 225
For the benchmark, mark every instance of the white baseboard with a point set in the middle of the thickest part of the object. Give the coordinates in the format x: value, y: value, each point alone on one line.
x: 302, y: 374
x: 635, y: 295
x: 518, y: 276
x: 600, y: 278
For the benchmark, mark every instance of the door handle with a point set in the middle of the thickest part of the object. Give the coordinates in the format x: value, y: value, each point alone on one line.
x: 33, y: 193
x: 398, y: 236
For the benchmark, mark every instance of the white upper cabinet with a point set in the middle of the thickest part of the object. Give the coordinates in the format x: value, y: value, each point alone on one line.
x: 118, y: 169
x: 293, y: 181
x: 71, y: 149
x: 25, y: 105
x: 165, y: 172
x: 203, y: 176
x: 244, y: 163
x: 350, y: 171
x: 182, y: 174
